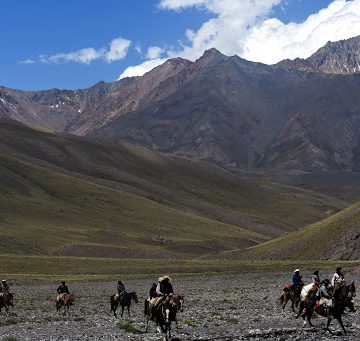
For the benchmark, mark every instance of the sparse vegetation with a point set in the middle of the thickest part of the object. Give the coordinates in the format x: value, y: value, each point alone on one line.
x: 129, y: 327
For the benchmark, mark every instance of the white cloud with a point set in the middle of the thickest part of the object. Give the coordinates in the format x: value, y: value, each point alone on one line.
x: 116, y: 50
x: 245, y: 28
x: 141, y: 69
x: 27, y: 61
x: 272, y: 41
x: 154, y: 52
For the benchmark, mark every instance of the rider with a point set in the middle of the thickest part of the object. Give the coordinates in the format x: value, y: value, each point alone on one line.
x: 338, y: 276
x: 163, y: 289
x: 4, y: 287
x: 62, y: 290
x: 153, y: 290
x: 120, y: 288
x: 297, y: 282
x: 323, y: 294
x: 316, y: 277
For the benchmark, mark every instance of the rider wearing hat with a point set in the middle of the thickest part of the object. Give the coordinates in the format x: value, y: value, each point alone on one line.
x: 338, y: 276
x: 324, y: 293
x: 163, y: 290
x: 297, y: 282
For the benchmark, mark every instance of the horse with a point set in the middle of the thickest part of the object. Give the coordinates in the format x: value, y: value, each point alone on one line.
x: 124, y: 300
x: 65, y: 301
x: 165, y: 313
x: 288, y: 294
x: 342, y: 298
x: 6, y: 300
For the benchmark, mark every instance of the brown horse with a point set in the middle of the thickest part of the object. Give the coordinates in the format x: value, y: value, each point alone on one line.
x: 65, y: 301
x: 124, y: 300
x: 6, y: 300
x: 165, y: 313
x: 342, y: 298
x: 288, y: 294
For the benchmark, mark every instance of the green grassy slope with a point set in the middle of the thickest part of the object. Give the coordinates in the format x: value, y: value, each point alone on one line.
x: 337, y: 237
x: 194, y: 187
x: 46, y: 212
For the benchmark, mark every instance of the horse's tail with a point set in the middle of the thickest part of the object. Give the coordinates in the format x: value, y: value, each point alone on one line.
x: 146, y: 306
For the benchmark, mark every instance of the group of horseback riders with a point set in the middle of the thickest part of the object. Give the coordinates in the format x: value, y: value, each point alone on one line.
x: 324, y: 291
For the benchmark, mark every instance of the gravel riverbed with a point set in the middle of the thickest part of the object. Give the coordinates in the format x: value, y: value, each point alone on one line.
x: 236, y: 307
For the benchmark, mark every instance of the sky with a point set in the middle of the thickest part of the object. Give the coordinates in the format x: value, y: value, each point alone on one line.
x: 72, y: 44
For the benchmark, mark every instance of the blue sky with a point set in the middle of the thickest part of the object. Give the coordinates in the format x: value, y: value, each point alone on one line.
x: 76, y: 43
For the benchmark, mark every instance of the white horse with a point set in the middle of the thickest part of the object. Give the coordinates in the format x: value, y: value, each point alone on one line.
x: 305, y: 290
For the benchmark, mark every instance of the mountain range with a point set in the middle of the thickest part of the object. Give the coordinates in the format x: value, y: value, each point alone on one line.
x: 300, y: 114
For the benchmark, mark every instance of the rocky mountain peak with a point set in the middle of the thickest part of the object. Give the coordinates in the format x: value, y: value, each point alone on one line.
x: 340, y: 57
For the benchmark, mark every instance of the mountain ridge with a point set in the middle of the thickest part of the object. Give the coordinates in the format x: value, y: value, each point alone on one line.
x: 222, y: 109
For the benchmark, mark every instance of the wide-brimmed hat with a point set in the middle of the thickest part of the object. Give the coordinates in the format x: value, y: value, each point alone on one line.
x: 296, y: 270
x: 164, y: 278
x: 4, y: 280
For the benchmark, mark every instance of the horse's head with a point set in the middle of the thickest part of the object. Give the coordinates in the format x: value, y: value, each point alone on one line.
x: 350, y: 304
x: 178, y: 302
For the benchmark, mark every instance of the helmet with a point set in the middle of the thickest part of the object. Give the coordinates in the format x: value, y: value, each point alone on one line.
x: 296, y: 270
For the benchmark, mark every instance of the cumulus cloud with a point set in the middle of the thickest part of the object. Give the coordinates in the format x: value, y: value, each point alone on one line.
x: 271, y: 40
x: 116, y: 50
x: 154, y: 52
x: 141, y: 69
x: 245, y: 28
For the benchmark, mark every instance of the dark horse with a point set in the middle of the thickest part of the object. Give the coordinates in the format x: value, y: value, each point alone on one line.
x: 6, y: 300
x: 66, y: 301
x: 165, y: 313
x: 342, y: 298
x: 124, y: 300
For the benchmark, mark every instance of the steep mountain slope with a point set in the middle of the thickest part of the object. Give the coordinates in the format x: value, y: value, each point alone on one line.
x: 252, y: 115
x: 77, y: 191
x: 335, y: 238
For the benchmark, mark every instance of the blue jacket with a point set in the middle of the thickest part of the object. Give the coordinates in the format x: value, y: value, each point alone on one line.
x: 296, y: 279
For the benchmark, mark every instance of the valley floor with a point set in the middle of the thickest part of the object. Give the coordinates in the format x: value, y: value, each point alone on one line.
x: 233, y: 307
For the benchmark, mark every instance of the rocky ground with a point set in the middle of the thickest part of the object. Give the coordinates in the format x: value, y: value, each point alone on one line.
x: 233, y: 307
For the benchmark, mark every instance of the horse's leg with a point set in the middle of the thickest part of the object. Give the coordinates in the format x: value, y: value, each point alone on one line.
x: 301, y: 308
x: 341, y: 324
x: 122, y: 311
x: 328, y: 326
x: 293, y: 305
x: 128, y: 308
x: 177, y: 324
